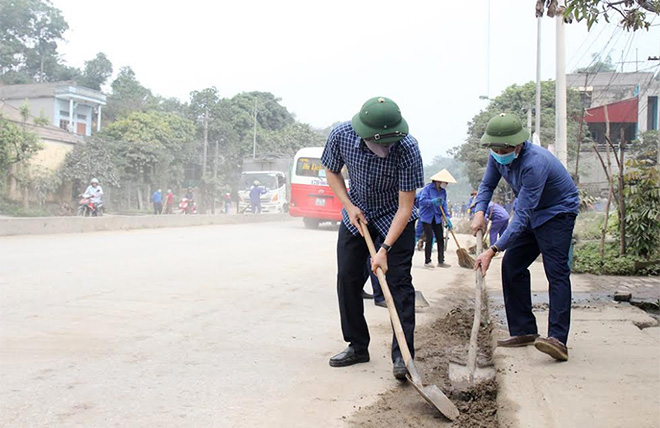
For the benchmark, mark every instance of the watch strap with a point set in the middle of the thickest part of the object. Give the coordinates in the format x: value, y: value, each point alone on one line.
x: 386, y: 247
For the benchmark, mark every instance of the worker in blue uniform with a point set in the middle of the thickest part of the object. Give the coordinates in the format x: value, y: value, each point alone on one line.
x: 543, y: 221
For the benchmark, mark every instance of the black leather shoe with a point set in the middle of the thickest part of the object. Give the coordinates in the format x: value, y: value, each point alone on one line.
x: 366, y: 295
x: 399, y: 371
x: 380, y: 303
x: 348, y: 357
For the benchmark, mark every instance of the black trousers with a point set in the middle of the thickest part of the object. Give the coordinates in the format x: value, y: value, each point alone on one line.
x: 352, y: 253
x: 553, y: 240
x: 431, y: 229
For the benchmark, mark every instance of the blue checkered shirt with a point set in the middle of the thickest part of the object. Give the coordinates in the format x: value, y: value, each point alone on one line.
x: 375, y: 182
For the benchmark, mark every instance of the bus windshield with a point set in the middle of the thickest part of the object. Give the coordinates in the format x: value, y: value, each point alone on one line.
x: 267, y: 180
x: 312, y: 167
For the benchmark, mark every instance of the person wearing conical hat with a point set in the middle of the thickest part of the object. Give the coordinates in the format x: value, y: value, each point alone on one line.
x: 385, y: 169
x: 543, y: 221
x: 432, y: 202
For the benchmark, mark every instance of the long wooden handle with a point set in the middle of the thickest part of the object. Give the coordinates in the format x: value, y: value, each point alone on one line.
x: 394, y: 316
x: 476, y: 324
x: 450, y: 230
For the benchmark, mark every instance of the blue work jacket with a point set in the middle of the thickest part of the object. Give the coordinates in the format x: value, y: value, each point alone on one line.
x: 427, y: 210
x: 541, y: 184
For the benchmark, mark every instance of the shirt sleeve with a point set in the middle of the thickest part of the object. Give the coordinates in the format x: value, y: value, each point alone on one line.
x: 444, y: 203
x: 425, y: 199
x: 331, y: 157
x: 533, y: 181
x: 411, y: 168
x: 488, y: 184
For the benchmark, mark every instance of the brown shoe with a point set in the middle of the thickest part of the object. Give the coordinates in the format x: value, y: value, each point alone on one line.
x: 552, y: 347
x: 517, y: 341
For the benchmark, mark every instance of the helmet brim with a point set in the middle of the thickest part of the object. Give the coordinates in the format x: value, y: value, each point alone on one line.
x: 367, y: 132
x: 506, y: 140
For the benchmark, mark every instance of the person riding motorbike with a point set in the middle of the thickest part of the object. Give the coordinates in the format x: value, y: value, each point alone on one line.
x: 95, y: 192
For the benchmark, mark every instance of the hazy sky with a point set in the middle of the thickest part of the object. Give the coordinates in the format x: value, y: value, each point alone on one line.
x: 324, y: 59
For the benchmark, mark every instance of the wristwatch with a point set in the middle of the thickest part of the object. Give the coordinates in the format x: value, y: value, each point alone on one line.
x: 386, y: 247
x: 495, y: 249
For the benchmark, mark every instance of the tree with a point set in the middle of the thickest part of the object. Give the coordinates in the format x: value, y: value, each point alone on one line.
x: 96, y: 73
x: 29, y: 33
x: 150, y: 148
x: 598, y: 66
x: 128, y: 95
x: 92, y: 159
x: 634, y: 15
x: 17, y: 145
x: 645, y: 148
x: 516, y: 100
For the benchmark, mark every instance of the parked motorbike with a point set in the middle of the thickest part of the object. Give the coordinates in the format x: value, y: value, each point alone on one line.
x: 87, y: 208
x: 187, y: 206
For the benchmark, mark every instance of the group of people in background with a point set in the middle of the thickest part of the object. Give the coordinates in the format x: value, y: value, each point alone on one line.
x: 157, y: 200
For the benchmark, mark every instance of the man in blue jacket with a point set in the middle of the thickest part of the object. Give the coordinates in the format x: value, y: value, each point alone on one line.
x: 543, y: 221
x: 432, y: 203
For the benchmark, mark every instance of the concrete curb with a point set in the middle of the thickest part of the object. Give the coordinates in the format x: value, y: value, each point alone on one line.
x: 56, y: 225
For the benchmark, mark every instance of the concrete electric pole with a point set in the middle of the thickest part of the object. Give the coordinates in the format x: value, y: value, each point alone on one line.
x: 560, y: 88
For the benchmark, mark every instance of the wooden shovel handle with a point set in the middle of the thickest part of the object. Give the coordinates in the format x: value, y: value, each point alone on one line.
x: 394, y: 316
x: 450, y: 230
x: 476, y: 324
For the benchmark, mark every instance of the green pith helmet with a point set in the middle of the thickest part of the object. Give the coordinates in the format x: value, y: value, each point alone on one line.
x: 504, y: 130
x: 380, y: 121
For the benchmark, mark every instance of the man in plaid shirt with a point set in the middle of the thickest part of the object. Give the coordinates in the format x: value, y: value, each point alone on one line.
x: 384, y: 168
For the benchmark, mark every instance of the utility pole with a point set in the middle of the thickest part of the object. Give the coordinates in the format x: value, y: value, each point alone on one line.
x: 215, y: 177
x: 579, y: 140
x: 206, y: 143
x: 537, y: 122
x: 254, y: 133
x: 560, y: 87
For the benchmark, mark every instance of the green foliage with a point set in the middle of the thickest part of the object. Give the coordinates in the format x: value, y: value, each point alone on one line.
x: 146, y: 144
x: 43, y: 182
x: 586, y: 259
x: 14, y: 209
x: 128, y: 95
x: 17, y: 144
x: 92, y: 159
x: 634, y: 15
x: 645, y: 148
x: 96, y: 73
x: 29, y: 33
x: 642, y: 197
x: 459, y: 192
x: 515, y: 100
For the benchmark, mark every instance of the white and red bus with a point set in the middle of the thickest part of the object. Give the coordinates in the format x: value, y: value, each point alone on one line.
x: 311, y: 197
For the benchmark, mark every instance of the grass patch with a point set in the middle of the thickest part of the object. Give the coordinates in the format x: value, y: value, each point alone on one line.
x: 586, y: 259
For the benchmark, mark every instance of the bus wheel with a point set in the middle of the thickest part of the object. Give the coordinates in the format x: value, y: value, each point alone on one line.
x: 285, y: 208
x: 311, y: 223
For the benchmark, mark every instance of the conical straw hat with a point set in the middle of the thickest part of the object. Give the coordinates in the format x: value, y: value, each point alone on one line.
x: 445, y: 176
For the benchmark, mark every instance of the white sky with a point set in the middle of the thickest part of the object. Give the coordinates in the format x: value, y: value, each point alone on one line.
x: 324, y: 59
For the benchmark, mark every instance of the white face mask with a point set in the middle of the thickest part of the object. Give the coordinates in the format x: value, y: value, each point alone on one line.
x: 443, y: 185
x: 380, y: 150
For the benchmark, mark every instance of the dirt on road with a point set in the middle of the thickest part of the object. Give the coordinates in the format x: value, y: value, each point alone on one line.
x: 439, y: 343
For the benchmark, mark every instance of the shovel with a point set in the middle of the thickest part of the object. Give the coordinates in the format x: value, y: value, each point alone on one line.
x: 431, y: 393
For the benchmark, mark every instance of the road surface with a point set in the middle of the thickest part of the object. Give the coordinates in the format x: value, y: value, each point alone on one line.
x: 213, y: 326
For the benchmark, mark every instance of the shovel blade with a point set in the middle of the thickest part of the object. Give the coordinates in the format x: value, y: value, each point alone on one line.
x: 437, y: 399
x: 420, y: 301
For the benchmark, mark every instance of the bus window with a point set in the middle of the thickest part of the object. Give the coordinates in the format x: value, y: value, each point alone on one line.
x: 312, y: 167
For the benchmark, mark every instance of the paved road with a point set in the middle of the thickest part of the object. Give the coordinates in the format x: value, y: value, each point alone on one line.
x: 213, y: 326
